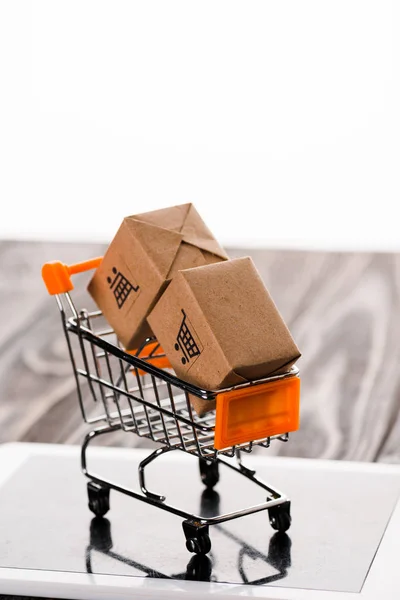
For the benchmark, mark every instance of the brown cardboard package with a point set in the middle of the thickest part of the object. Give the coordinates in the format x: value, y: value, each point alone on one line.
x: 202, y: 406
x: 219, y: 327
x: 146, y: 252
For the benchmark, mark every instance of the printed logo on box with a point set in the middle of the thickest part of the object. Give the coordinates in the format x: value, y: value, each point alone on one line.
x: 121, y: 287
x: 187, y: 342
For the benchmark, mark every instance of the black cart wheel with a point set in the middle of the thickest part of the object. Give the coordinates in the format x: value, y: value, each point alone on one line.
x: 200, y: 544
x: 197, y: 538
x: 209, y: 472
x: 99, y: 498
x: 279, y: 517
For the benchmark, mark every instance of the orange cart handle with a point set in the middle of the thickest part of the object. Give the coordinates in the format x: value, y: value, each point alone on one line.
x: 57, y: 276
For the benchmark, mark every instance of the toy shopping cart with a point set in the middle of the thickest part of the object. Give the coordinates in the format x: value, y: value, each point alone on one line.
x: 139, y: 393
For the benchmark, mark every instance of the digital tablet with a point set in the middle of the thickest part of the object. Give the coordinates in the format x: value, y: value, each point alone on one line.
x: 344, y: 541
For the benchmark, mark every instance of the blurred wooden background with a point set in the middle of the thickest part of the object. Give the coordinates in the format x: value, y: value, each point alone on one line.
x: 342, y: 308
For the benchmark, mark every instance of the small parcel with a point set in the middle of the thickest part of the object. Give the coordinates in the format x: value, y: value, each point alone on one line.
x: 147, y: 251
x: 219, y: 327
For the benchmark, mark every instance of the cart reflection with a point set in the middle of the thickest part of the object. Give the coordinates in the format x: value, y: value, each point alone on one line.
x: 200, y: 566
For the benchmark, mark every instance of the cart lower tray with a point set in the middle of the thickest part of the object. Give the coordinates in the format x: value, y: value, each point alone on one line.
x: 340, y: 513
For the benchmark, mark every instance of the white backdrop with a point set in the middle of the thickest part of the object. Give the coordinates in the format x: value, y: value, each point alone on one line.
x: 279, y: 119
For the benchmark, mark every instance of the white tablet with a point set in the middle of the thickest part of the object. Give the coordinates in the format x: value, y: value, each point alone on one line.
x: 344, y: 541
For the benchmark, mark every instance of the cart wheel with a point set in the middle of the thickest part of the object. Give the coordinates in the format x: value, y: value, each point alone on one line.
x: 200, y: 544
x: 197, y: 538
x: 279, y: 517
x: 99, y: 498
x: 209, y: 472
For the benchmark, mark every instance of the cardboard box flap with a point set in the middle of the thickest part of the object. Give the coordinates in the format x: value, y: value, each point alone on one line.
x: 185, y: 219
x: 252, y: 372
x: 233, y: 378
x: 172, y: 218
x: 161, y: 245
x: 196, y: 232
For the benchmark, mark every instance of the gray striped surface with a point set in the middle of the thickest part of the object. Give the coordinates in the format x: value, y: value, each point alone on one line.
x: 342, y: 309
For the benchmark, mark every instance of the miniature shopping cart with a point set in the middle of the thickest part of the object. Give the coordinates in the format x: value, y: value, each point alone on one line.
x: 137, y: 392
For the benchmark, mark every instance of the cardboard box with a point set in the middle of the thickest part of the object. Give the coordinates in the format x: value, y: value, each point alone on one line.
x: 219, y: 327
x: 202, y: 406
x: 146, y: 252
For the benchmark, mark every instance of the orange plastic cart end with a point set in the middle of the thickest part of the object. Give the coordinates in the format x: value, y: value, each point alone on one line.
x: 57, y: 276
x: 257, y: 412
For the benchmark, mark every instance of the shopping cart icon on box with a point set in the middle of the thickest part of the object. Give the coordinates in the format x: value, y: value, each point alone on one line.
x: 121, y: 287
x: 185, y: 341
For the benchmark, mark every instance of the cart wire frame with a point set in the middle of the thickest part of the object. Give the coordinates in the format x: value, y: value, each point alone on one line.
x: 133, y: 395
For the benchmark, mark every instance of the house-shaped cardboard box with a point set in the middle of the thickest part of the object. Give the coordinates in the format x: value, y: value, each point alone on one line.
x: 219, y: 326
x: 147, y: 251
